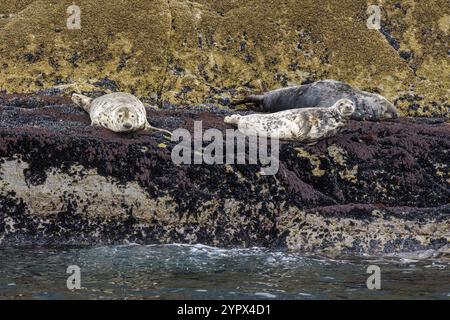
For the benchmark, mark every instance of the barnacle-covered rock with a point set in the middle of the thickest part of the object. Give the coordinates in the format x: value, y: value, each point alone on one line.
x: 375, y: 187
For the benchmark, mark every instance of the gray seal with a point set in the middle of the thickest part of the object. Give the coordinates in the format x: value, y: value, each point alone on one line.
x: 118, y: 112
x: 305, y: 125
x: 323, y: 94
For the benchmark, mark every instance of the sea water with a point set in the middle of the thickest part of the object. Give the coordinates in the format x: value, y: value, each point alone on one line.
x: 202, y: 272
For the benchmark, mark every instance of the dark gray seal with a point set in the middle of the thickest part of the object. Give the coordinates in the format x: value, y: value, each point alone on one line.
x: 323, y: 94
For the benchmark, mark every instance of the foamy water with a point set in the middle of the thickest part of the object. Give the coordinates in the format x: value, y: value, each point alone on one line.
x: 201, y: 272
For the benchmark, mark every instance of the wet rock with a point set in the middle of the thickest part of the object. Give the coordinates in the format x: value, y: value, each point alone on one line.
x: 377, y: 187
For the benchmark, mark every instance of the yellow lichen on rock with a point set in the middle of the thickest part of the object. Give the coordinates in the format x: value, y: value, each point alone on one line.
x: 350, y: 174
x: 337, y: 154
x: 204, y: 51
x: 314, y: 160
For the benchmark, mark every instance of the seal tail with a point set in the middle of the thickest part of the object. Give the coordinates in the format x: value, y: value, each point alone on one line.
x: 234, y: 119
x: 82, y: 101
x: 256, y: 99
x: 149, y: 127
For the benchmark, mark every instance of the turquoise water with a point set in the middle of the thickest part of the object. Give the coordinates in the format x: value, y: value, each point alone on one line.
x: 201, y: 272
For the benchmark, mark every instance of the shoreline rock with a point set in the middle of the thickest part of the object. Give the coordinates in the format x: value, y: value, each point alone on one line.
x: 377, y: 187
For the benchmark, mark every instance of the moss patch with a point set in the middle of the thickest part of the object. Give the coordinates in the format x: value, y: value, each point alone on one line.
x: 207, y: 51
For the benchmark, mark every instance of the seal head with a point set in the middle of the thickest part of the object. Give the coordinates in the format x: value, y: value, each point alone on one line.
x: 373, y: 107
x: 345, y: 108
x: 126, y: 120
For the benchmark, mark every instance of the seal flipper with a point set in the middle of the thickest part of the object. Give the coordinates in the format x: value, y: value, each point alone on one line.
x: 257, y: 100
x: 95, y: 123
x: 149, y: 127
x: 82, y: 101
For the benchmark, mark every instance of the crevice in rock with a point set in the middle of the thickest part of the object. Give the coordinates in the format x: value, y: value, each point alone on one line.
x: 166, y: 57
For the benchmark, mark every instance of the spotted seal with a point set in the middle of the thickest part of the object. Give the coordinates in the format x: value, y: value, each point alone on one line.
x: 118, y: 112
x: 306, y: 125
x: 322, y: 94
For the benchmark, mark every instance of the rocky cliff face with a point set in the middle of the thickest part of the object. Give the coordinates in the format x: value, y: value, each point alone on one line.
x: 206, y: 51
x: 375, y: 187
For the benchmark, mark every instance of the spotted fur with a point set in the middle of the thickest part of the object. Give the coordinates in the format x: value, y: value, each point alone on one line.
x: 307, y: 125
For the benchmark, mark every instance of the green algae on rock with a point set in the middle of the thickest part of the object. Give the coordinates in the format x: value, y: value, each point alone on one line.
x: 205, y: 51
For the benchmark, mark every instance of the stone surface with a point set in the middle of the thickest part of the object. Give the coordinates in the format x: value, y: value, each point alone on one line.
x: 188, y: 52
x: 375, y: 187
